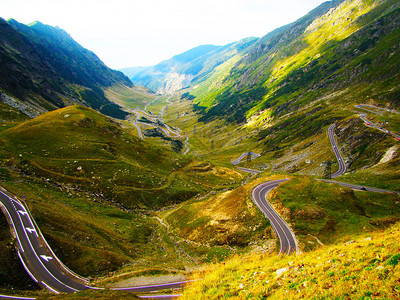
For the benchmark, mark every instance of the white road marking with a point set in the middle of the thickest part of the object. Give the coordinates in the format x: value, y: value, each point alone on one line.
x: 46, y: 258
x: 30, y: 230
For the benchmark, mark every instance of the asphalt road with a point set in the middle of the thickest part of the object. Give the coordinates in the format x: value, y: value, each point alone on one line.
x: 39, y: 260
x: 285, y: 234
x: 372, y: 125
x: 359, y: 187
x: 247, y: 170
x: 244, y: 157
x: 342, y: 165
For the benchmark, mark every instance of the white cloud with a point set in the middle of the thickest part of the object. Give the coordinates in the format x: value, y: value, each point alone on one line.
x: 130, y: 32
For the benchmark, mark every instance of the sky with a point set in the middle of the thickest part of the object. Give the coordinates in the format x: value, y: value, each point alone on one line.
x: 129, y: 33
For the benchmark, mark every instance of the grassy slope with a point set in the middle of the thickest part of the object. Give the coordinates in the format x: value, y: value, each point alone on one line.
x: 224, y: 219
x: 365, y: 269
x: 331, y: 212
x: 373, y: 155
x: 293, y: 139
x: 316, y: 211
x: 94, y: 154
x: 129, y: 97
x: 78, y: 170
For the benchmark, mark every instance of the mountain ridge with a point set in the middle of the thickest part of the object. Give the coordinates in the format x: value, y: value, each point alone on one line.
x: 43, y: 68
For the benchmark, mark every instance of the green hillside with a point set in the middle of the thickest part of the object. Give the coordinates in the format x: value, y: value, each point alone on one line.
x: 91, y: 186
x: 88, y: 151
x: 117, y: 207
x: 362, y: 268
x: 328, y: 52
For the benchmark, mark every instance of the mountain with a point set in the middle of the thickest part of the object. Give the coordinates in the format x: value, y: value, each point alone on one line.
x: 181, y: 70
x: 341, y: 46
x: 42, y: 68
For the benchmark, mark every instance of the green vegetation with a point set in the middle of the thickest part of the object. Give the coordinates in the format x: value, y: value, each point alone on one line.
x: 227, y: 218
x: 372, y: 155
x: 363, y: 269
x: 115, y: 207
x: 89, y: 184
x: 326, y: 47
x: 331, y: 212
x: 96, y: 155
x: 129, y: 97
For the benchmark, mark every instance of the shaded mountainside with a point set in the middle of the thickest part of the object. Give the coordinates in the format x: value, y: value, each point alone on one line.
x: 42, y: 68
x: 190, y: 67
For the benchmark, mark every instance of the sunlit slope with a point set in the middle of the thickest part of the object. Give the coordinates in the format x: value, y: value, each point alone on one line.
x: 343, y: 47
x: 318, y: 212
x: 367, y: 268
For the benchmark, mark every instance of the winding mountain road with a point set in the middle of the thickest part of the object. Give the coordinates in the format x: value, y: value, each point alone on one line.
x: 158, y: 121
x: 370, y: 124
x: 286, y: 236
x: 39, y: 260
x: 342, y: 165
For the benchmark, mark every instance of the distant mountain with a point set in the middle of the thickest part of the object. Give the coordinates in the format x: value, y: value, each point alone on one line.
x: 181, y: 70
x: 42, y: 68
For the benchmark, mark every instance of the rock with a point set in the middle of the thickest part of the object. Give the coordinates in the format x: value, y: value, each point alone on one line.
x: 310, y: 213
x: 281, y: 271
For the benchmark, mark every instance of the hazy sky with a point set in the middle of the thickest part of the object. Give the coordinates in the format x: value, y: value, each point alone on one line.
x: 126, y: 33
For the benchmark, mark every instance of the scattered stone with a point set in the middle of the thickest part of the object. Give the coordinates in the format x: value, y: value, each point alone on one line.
x: 281, y: 271
x: 348, y: 243
x: 79, y: 168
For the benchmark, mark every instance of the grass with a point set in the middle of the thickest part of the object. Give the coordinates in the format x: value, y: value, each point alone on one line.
x: 365, y: 148
x: 101, y: 157
x: 227, y: 218
x: 331, y: 212
x: 91, y: 187
x: 95, y: 170
x: 319, y: 213
x: 129, y: 97
x: 366, y: 268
